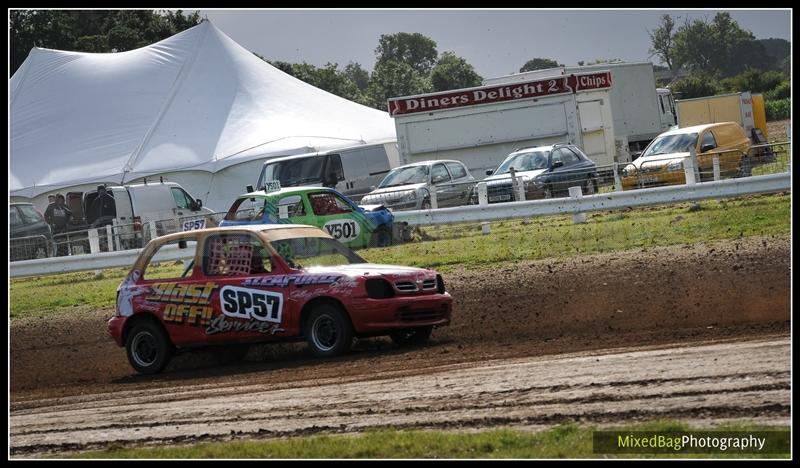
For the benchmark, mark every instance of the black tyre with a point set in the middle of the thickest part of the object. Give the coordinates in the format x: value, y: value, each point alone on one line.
x: 231, y: 354
x: 149, y: 348
x: 381, y: 237
x: 411, y: 336
x: 328, y: 331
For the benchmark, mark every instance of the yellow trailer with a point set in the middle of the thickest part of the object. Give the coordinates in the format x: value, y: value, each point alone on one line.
x: 744, y: 108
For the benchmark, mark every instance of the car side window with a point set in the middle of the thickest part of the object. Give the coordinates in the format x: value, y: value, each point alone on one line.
x: 29, y: 214
x: 235, y: 254
x: 13, y: 216
x: 294, y: 206
x: 566, y: 156
x: 181, y: 198
x: 708, y: 139
x: 457, y: 170
x: 156, y: 268
x: 577, y: 153
x: 327, y: 203
x: 439, y: 174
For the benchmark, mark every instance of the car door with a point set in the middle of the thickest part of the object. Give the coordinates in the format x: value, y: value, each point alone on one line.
x: 338, y: 218
x: 441, y: 182
x: 561, y: 175
x: 250, y: 295
x: 457, y: 192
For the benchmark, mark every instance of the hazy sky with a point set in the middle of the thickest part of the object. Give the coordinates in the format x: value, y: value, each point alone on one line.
x: 494, y: 42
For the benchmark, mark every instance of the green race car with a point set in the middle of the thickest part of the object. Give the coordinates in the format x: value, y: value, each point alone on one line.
x: 351, y: 224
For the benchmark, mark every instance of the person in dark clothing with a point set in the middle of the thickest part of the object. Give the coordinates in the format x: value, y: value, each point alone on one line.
x: 103, y: 206
x: 58, y: 216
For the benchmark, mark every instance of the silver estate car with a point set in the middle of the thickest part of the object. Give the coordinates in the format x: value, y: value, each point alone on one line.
x: 409, y: 187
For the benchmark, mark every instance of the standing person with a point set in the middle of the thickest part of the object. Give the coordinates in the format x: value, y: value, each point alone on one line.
x: 51, y: 201
x: 103, y: 206
x: 58, y: 216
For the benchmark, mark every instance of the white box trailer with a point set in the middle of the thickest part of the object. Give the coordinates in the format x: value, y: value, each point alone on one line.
x: 641, y: 111
x: 481, y: 126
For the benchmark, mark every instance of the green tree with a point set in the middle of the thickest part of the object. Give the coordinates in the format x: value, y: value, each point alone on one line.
x: 453, y: 72
x: 695, y: 85
x: 539, y: 64
x: 662, y: 40
x: 756, y: 81
x: 415, y: 50
x: 392, y: 79
x: 91, y: 30
x: 720, y: 48
x: 357, y: 75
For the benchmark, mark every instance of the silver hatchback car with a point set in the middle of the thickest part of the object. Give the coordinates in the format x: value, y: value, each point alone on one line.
x: 410, y: 187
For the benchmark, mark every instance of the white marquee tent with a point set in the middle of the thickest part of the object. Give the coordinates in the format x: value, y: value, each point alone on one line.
x: 196, y: 108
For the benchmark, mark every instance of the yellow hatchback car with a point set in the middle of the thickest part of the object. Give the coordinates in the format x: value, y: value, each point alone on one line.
x: 662, y: 161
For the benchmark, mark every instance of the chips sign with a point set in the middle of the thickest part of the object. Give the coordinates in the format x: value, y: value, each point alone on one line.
x: 491, y: 94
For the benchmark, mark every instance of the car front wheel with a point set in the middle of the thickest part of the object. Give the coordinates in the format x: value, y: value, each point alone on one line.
x: 148, y: 347
x: 328, y: 331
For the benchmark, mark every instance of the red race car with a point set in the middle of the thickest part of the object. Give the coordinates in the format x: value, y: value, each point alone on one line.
x: 267, y: 283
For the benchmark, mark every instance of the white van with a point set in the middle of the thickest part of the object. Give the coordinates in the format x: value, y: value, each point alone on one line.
x: 136, y: 205
x: 351, y: 171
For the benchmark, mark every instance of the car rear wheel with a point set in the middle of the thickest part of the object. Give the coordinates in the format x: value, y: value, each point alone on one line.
x: 328, y: 331
x: 148, y: 347
x: 411, y: 336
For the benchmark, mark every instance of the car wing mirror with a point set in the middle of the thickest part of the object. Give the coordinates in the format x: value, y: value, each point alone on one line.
x: 489, y: 172
x: 181, y: 244
x: 557, y: 164
x: 705, y: 148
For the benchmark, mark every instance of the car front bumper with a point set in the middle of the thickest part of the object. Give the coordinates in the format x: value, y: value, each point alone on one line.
x: 115, y: 326
x: 400, y: 312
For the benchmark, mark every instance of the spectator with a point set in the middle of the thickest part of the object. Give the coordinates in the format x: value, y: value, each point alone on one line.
x: 51, y: 201
x: 103, y: 207
x: 58, y: 216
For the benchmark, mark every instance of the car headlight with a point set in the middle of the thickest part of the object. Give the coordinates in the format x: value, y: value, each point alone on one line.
x: 675, y: 166
x: 409, y: 196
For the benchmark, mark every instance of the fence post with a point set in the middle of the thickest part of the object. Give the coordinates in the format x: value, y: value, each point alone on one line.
x: 715, y: 162
x: 514, y: 184
x: 617, y: 180
x: 483, y: 200
x: 434, y: 200
x: 153, y: 231
x: 689, y: 167
x: 110, y: 238
x: 576, y: 193
x: 94, y: 241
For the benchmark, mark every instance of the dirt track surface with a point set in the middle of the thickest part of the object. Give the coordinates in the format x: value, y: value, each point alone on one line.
x: 502, y: 362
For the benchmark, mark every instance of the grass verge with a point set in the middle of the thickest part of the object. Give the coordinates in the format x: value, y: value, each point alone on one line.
x: 565, y: 441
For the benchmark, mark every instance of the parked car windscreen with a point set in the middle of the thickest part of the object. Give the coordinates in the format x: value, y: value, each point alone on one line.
x: 307, y: 252
x: 530, y: 161
x: 667, y: 144
x: 406, y: 175
x: 293, y: 172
